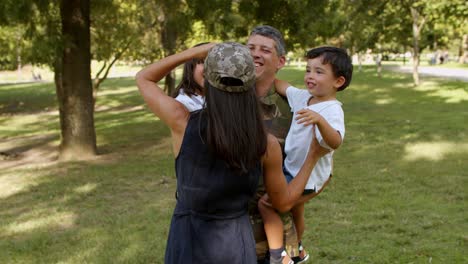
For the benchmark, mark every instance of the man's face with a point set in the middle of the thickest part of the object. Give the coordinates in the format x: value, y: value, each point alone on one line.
x: 266, y: 59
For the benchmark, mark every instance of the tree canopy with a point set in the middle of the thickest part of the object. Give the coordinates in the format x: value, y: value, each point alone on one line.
x: 141, y: 31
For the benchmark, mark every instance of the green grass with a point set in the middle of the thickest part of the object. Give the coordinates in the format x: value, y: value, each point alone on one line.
x: 398, y: 194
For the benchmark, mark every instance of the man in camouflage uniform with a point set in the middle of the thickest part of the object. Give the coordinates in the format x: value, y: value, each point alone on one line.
x: 267, y: 48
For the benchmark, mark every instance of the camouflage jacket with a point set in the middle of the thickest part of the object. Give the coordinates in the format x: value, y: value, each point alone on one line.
x: 277, y: 118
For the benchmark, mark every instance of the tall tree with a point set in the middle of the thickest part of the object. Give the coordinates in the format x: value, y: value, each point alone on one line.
x: 167, y: 23
x: 303, y: 23
x: 73, y: 83
x: 59, y: 36
x: 452, y: 26
x: 115, y: 30
x: 418, y: 21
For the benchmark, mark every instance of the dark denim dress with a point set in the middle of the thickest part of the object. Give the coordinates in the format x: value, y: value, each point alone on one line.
x: 210, y: 222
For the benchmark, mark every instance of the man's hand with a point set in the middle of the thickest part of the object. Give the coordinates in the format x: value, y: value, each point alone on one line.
x: 308, y: 117
x: 266, y: 200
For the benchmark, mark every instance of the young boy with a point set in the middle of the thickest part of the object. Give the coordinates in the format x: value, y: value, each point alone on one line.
x: 318, y: 114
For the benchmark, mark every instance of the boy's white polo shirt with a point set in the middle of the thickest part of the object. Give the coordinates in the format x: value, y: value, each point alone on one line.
x: 299, y: 137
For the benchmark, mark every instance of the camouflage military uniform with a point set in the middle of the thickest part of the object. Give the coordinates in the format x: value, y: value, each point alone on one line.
x: 277, y: 120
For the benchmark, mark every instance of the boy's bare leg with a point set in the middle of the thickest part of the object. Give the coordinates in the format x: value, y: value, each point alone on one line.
x: 273, y: 226
x: 271, y: 222
x: 299, y: 221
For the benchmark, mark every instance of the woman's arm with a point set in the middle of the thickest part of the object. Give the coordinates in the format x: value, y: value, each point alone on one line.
x: 165, y: 107
x: 283, y: 196
x: 170, y: 111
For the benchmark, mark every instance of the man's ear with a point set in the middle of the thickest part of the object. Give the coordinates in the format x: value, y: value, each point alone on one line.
x: 281, y: 62
x: 339, y: 82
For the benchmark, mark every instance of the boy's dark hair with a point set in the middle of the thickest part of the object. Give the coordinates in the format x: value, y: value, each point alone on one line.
x: 338, y: 59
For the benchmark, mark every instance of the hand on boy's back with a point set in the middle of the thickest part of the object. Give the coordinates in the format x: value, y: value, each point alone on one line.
x: 308, y: 117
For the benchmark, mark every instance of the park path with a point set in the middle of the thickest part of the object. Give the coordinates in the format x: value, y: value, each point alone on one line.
x: 449, y: 73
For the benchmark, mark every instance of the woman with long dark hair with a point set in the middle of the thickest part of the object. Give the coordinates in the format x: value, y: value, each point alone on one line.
x: 221, y: 151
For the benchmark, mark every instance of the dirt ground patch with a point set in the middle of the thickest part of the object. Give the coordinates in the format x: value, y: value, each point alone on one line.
x: 30, y: 151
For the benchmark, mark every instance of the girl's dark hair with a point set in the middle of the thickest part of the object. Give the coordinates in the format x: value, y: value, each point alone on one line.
x: 235, y: 129
x: 188, y: 83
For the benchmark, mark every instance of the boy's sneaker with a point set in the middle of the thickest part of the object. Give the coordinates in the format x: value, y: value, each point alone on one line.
x: 303, y: 256
x: 285, y: 259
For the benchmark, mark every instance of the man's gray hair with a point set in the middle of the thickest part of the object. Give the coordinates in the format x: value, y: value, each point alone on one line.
x: 272, y: 33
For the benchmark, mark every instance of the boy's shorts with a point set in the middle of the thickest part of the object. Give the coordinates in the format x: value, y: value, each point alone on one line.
x: 289, y: 178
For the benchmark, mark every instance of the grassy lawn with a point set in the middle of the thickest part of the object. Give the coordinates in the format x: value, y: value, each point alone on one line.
x: 398, y: 193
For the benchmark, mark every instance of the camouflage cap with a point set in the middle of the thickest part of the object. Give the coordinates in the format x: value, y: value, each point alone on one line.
x: 229, y: 67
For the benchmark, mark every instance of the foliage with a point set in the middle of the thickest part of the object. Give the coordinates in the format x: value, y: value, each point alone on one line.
x: 397, y: 194
x: 38, y: 24
x: 13, y: 48
x: 143, y: 31
x: 303, y: 23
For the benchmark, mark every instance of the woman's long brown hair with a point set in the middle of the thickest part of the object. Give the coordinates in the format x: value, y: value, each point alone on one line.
x: 235, y: 129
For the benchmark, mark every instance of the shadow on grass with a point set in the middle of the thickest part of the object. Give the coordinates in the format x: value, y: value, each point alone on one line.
x: 27, y: 98
x: 397, y: 195
x: 37, y: 97
x: 112, y: 210
x: 400, y: 176
x: 84, y: 212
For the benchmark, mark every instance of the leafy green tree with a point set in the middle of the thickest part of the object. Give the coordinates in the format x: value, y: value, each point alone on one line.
x: 59, y: 35
x: 114, y: 28
x: 164, y: 27
x: 362, y: 30
x: 13, y: 47
x: 74, y: 88
x: 303, y: 23
x: 451, y: 27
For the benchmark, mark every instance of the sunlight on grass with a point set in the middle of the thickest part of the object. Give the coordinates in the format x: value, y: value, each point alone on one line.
x: 385, y: 205
x: 433, y: 151
x: 120, y: 90
x: 402, y: 85
x: 384, y: 101
x: 49, y: 219
x: 29, y: 124
x: 87, y: 188
x: 14, y: 182
x: 457, y: 95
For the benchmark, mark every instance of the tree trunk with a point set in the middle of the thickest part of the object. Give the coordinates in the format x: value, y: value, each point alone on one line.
x: 169, y: 83
x: 359, y: 55
x: 379, y: 65
x: 464, y: 50
x: 18, y: 57
x: 73, y: 83
x: 169, y: 37
x: 418, y: 23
